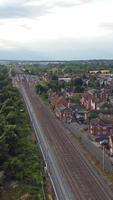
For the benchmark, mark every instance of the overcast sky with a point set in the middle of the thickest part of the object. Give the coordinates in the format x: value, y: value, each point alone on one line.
x: 56, y: 29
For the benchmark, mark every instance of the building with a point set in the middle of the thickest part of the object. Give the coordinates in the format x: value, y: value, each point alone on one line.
x: 106, y: 110
x: 110, y: 141
x: 99, y: 71
x: 92, y: 99
x: 61, y: 107
x: 57, y: 99
x: 63, y: 113
x: 101, y: 127
x: 65, y: 79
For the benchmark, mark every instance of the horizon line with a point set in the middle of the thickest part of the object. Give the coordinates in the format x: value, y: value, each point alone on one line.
x: 51, y: 60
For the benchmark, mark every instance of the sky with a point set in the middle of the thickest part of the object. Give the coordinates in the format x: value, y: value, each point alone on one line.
x: 56, y: 29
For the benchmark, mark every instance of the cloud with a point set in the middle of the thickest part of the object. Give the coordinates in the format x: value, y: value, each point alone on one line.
x: 107, y: 25
x: 66, y: 30
x: 25, y: 26
x: 71, y: 3
x: 64, y: 4
x: 6, y: 44
x: 33, y: 8
x: 20, y: 9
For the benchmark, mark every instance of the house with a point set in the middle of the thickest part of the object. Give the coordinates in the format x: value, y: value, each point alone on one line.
x: 79, y: 114
x: 65, y: 79
x: 59, y: 111
x: 61, y: 106
x: 110, y: 142
x: 105, y: 71
x: 92, y: 99
x: 99, y: 71
x: 111, y: 98
x: 94, y: 71
x: 101, y: 127
x: 106, y: 110
x: 58, y: 99
x: 65, y: 114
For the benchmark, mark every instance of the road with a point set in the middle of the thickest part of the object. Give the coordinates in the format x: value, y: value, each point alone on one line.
x: 73, y: 176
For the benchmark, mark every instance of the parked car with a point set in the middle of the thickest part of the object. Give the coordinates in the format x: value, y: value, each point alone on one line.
x: 104, y: 142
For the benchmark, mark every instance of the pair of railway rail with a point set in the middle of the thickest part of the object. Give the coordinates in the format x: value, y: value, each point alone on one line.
x: 80, y: 174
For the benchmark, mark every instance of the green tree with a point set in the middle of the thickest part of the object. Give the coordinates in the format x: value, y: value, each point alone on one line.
x: 41, y: 89
x: 92, y: 115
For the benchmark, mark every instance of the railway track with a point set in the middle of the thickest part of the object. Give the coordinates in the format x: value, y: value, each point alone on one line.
x: 81, y: 176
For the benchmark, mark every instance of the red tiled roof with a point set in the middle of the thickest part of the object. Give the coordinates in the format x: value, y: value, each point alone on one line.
x: 61, y: 100
x: 58, y: 100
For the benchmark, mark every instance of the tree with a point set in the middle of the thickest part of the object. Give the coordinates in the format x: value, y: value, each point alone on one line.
x: 76, y: 99
x: 20, y: 159
x: 3, y: 150
x: 11, y: 138
x: 78, y: 82
x: 41, y: 89
x: 16, y: 168
x: 54, y: 77
x: 92, y: 115
x: 54, y: 85
x: 11, y: 117
x: 79, y: 89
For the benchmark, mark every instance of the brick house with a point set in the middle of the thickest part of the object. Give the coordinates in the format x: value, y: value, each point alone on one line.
x: 92, y: 99
x: 101, y: 126
x: 59, y: 111
x: 57, y: 99
x: 64, y: 113
x: 61, y: 106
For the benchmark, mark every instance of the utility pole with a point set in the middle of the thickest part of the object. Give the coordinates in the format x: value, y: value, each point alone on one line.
x: 89, y: 123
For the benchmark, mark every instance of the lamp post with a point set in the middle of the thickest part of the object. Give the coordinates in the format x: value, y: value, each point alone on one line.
x: 89, y: 119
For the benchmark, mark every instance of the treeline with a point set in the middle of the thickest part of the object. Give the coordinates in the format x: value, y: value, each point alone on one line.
x: 20, y: 158
x: 67, y: 67
x: 57, y: 86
